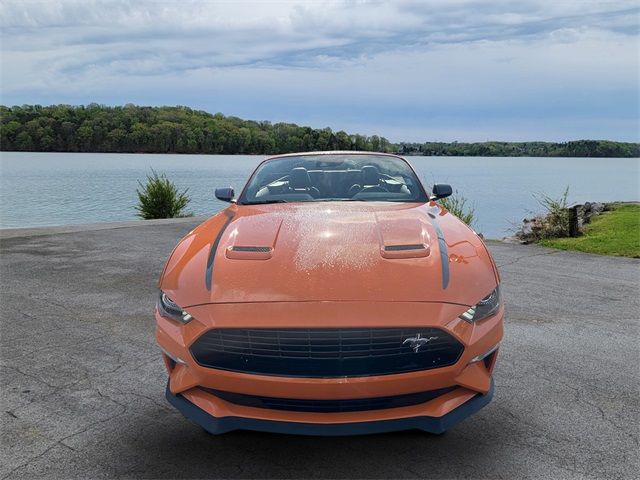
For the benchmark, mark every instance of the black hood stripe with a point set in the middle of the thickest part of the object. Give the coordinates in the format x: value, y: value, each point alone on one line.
x: 208, y: 279
x: 444, y: 253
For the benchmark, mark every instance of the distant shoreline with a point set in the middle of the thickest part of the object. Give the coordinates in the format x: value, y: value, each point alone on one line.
x: 130, y: 128
x: 275, y: 154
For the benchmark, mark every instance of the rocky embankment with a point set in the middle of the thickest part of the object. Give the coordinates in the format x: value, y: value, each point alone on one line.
x: 556, y: 224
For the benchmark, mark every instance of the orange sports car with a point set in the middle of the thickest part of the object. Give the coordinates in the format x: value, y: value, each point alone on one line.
x: 334, y: 296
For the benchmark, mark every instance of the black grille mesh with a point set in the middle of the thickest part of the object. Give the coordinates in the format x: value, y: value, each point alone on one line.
x: 329, y: 406
x: 325, y: 352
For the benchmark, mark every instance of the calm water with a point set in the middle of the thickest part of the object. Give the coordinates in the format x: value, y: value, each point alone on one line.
x: 38, y: 189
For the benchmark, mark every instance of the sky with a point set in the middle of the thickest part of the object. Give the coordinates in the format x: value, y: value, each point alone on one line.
x: 441, y: 70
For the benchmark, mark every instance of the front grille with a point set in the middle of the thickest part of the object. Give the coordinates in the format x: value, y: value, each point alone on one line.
x: 326, y: 352
x: 329, y: 406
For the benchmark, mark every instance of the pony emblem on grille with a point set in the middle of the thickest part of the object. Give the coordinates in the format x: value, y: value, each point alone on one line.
x: 418, y: 341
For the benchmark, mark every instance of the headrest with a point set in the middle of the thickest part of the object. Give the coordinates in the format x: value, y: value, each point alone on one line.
x: 299, y: 178
x: 370, y: 175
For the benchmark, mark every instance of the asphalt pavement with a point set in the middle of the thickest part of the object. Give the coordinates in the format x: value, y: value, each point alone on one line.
x: 82, y: 382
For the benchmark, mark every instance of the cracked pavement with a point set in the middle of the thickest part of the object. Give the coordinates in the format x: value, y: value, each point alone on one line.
x: 82, y: 381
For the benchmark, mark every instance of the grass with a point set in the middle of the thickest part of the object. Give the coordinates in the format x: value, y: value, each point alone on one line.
x: 615, y: 232
x: 457, y: 205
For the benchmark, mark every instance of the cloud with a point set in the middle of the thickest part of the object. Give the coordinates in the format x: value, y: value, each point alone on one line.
x: 470, y: 65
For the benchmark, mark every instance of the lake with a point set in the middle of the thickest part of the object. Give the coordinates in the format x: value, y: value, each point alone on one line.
x: 42, y: 189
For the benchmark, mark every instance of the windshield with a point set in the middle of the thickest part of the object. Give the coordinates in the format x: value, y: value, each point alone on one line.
x: 339, y: 177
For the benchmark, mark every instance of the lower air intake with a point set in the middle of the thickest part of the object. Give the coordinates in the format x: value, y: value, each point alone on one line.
x: 329, y: 406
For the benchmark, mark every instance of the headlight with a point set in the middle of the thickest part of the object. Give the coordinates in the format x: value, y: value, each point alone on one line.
x: 170, y: 309
x: 486, y: 307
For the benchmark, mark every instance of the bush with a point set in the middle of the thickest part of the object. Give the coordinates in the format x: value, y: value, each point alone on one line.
x: 160, y: 198
x: 457, y: 204
x: 555, y: 222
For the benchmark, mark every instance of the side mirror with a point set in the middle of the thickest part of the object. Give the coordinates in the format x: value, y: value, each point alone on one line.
x: 440, y: 190
x: 225, y: 194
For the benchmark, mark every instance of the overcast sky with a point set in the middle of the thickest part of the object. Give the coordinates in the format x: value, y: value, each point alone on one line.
x: 408, y: 70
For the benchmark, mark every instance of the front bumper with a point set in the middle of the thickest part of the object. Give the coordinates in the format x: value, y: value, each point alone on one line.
x: 436, y: 425
x: 191, y: 384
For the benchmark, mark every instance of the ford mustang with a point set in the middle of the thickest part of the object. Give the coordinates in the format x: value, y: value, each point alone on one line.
x: 333, y: 296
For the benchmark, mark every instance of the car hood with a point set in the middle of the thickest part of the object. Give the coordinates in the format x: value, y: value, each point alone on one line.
x: 330, y: 251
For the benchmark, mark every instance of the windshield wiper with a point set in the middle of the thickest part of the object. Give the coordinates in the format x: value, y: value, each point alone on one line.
x: 262, y: 202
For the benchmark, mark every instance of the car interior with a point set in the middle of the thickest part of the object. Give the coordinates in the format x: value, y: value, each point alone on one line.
x: 327, y: 181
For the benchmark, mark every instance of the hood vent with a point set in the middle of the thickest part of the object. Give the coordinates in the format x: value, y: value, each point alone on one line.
x: 251, y: 249
x: 412, y: 250
x: 398, y: 248
x: 249, y: 253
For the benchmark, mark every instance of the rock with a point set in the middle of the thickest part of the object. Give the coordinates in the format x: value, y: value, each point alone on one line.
x: 513, y: 239
x: 534, y: 228
x: 589, y: 210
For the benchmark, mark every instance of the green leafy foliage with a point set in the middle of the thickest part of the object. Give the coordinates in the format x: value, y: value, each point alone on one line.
x: 458, y: 205
x: 578, y: 148
x: 160, y: 198
x: 135, y: 129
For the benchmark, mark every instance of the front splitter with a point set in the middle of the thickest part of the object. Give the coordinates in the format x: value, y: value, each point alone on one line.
x: 436, y: 425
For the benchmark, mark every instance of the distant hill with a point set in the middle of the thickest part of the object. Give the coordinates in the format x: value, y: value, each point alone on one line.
x: 135, y: 129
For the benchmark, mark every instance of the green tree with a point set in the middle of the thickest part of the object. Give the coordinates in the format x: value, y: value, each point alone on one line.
x: 131, y: 128
x: 24, y: 142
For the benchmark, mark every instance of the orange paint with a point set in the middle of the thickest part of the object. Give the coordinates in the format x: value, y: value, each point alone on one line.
x: 330, y: 265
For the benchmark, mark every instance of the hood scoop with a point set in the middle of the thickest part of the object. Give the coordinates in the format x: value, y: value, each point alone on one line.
x: 252, y: 238
x: 403, y: 236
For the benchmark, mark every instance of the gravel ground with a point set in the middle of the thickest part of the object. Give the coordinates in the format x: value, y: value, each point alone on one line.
x: 82, y: 381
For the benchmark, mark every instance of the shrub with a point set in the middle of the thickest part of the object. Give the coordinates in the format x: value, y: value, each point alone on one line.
x: 555, y: 222
x: 457, y: 204
x: 160, y: 198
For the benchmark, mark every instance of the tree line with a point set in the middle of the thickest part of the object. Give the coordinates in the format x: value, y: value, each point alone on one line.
x: 138, y: 129
x: 577, y: 148
x: 134, y: 129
